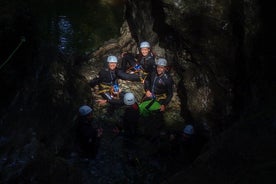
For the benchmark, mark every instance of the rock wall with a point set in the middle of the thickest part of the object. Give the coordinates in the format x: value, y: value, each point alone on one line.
x: 209, y: 45
x: 222, y: 51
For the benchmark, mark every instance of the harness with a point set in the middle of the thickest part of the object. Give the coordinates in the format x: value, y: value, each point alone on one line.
x: 114, y: 90
x: 162, y: 96
x: 104, y: 88
x: 135, y: 69
x: 138, y: 70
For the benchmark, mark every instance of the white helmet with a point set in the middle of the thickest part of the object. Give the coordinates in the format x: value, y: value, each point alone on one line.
x: 129, y: 99
x: 85, y: 110
x: 112, y: 59
x: 162, y: 62
x: 189, y: 129
x: 144, y: 45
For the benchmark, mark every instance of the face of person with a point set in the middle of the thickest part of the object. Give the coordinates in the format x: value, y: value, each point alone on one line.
x: 112, y: 65
x: 145, y: 51
x: 160, y: 70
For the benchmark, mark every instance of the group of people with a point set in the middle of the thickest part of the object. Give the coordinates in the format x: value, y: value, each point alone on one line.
x: 143, y: 67
x: 158, y: 83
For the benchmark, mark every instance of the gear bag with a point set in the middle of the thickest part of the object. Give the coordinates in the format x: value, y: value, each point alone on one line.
x: 148, y: 107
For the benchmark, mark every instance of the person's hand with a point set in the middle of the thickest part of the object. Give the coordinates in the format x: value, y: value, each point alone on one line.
x: 162, y: 108
x: 148, y: 94
x: 102, y: 101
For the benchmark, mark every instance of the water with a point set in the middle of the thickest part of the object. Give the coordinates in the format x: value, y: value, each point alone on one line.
x: 78, y: 26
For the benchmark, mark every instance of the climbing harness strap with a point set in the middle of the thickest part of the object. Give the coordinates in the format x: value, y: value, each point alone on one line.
x: 140, y: 72
x: 104, y: 88
x: 112, y: 91
x: 159, y: 97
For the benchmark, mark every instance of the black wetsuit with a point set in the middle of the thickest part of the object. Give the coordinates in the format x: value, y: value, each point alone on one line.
x: 87, y: 138
x: 147, y: 63
x: 161, y: 87
x: 108, y: 78
x: 130, y: 120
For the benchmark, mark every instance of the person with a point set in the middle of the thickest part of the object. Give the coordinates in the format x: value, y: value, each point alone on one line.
x: 141, y: 64
x: 186, y: 137
x: 107, y: 80
x: 158, y: 88
x: 158, y: 85
x: 186, y: 145
x: 131, y: 115
x: 88, y: 134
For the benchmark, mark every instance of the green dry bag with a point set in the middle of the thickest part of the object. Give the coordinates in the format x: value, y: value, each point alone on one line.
x: 147, y: 107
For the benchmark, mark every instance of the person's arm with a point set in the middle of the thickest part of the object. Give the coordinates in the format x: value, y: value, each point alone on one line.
x: 116, y: 101
x: 152, y: 65
x: 94, y: 82
x: 125, y: 76
x: 169, y: 85
x: 147, y: 83
x: 108, y: 99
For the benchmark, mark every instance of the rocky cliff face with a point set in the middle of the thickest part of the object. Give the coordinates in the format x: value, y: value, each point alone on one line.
x: 221, y: 60
x: 209, y: 43
x: 220, y: 51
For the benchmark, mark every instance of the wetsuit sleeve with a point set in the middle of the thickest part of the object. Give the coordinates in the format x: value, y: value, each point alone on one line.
x: 125, y: 76
x: 147, y: 83
x: 169, y: 84
x: 112, y: 101
x: 152, y: 65
x: 128, y: 59
x: 94, y: 82
x: 116, y: 101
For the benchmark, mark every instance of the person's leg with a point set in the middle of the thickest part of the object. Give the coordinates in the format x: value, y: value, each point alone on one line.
x: 127, y: 61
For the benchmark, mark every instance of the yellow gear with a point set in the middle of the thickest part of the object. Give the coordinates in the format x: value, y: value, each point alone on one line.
x: 104, y: 88
x: 162, y: 96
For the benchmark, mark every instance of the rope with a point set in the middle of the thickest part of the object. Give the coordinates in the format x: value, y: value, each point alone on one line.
x: 23, y: 39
